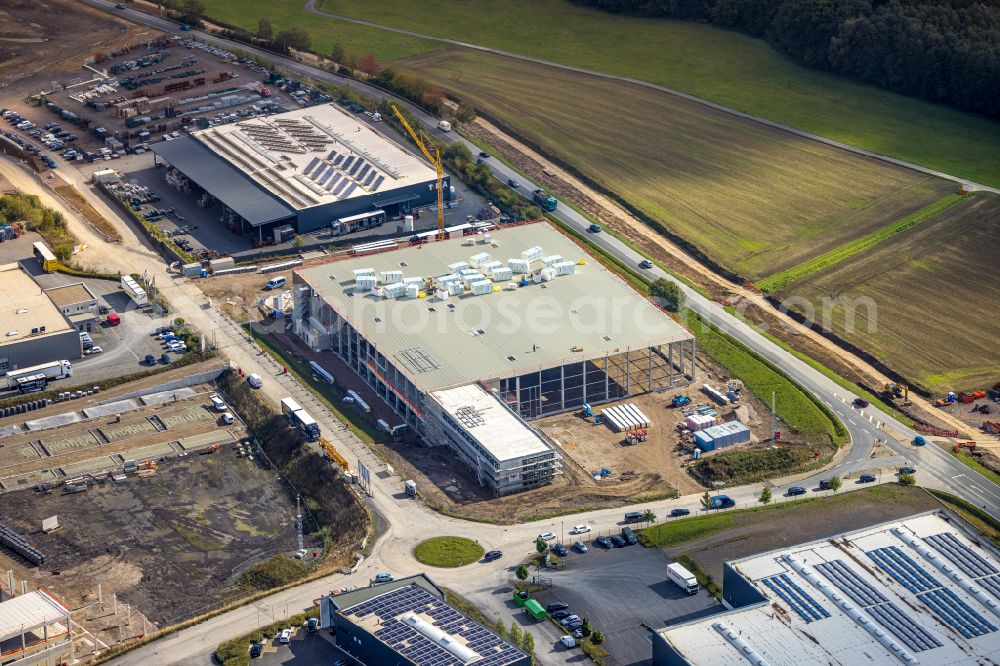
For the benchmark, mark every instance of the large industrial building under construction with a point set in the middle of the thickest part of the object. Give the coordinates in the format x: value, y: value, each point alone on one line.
x: 308, y: 168
x: 469, y: 338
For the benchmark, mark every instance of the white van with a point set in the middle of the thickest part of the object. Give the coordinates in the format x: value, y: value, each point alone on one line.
x: 444, y: 126
x: 275, y: 283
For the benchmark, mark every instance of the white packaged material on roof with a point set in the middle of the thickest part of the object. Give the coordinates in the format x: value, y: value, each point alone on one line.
x: 491, y: 265
x: 413, y: 280
x: 451, y: 277
x: 388, y: 277
x: 365, y: 283
x: 394, y: 290
x: 456, y: 288
x: 412, y: 290
x: 363, y: 271
x: 564, y: 268
x: 481, y: 287
x: 458, y: 266
x: 501, y: 274
x: 518, y: 266
x: 549, y: 274
x: 477, y: 260
x: 532, y: 254
x: 552, y: 259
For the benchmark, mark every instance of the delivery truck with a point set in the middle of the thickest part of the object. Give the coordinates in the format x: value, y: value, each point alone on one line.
x: 53, y: 370
x: 683, y: 578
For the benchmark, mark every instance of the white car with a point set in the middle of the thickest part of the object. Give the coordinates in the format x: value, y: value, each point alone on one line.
x: 227, y: 418
x: 217, y: 402
x: 163, y: 334
x: 93, y: 350
x: 384, y: 578
x: 568, y: 641
x: 546, y: 536
x: 177, y: 347
x: 285, y: 636
x: 580, y: 529
x: 254, y: 380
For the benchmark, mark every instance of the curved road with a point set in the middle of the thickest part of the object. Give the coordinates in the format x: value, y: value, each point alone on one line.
x: 409, y: 522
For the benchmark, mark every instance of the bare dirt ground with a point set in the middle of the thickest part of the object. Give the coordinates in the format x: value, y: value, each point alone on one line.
x: 751, y: 305
x: 784, y: 525
x: 172, y: 545
x: 42, y: 39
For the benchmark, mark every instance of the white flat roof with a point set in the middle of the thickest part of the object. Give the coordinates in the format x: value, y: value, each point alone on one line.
x: 315, y: 156
x: 485, y: 418
x: 24, y: 612
x: 25, y: 306
x: 468, y: 338
x: 899, y: 598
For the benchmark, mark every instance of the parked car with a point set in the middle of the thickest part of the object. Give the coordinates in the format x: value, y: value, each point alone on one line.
x: 227, y: 418
x: 560, y: 614
x: 275, y: 283
x: 629, y: 536
x: 569, y: 618
x: 568, y: 642
x: 907, y: 470
x: 164, y: 359
x: 604, y: 542
x: 384, y: 578
x: 866, y: 478
x: 618, y: 541
x: 312, y: 625
x: 796, y: 490
x: 557, y: 606
x: 546, y: 536
x: 580, y: 529
x: 674, y: 513
x: 645, y: 263
x: 285, y: 636
x: 492, y: 555
x: 96, y: 349
x: 580, y: 547
x: 824, y: 484
x: 575, y: 625
x: 150, y: 359
x: 254, y: 380
x: 217, y: 402
x: 560, y: 550
x: 256, y: 650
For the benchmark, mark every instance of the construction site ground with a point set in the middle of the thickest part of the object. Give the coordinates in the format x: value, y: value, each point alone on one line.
x: 95, y: 445
x: 971, y: 414
x: 171, y: 546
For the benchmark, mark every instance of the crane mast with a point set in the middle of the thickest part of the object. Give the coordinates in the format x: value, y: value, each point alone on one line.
x: 434, y: 159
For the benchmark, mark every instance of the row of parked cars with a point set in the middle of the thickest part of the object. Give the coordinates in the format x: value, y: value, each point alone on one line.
x: 51, y: 135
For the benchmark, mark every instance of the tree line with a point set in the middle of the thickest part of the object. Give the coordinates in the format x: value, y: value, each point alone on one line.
x: 944, y: 51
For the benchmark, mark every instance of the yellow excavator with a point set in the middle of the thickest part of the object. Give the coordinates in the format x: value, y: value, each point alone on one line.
x: 435, y: 159
x: 894, y: 390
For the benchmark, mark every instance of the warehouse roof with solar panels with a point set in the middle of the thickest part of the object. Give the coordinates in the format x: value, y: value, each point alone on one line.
x: 925, y: 589
x: 411, y: 618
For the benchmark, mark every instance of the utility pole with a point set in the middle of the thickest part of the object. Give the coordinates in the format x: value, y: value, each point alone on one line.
x: 298, y: 523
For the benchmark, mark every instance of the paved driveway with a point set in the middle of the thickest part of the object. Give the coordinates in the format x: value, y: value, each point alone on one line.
x: 621, y: 589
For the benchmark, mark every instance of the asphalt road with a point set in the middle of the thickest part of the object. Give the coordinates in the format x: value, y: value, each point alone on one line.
x: 409, y: 522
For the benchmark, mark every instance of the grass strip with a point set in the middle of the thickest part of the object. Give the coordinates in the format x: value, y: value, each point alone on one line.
x: 779, y: 281
x: 687, y: 529
x: 448, y: 551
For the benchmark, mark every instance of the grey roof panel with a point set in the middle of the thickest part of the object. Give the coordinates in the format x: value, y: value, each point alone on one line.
x: 223, y: 181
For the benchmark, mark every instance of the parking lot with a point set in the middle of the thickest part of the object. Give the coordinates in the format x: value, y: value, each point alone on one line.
x: 620, y: 590
x: 305, y: 649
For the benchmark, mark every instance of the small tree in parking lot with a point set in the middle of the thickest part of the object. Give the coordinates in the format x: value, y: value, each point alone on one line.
x: 765, y: 496
x: 501, y: 628
x: 706, y: 500
x: 522, y: 572
x: 597, y: 638
x: 906, y: 479
x: 528, y: 642
x: 834, y: 483
x: 540, y: 545
x: 586, y: 628
x: 515, y: 634
x: 648, y: 517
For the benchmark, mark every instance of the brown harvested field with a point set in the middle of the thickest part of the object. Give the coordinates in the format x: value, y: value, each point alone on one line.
x: 936, y: 293
x: 753, y: 199
x: 782, y: 525
x: 53, y: 37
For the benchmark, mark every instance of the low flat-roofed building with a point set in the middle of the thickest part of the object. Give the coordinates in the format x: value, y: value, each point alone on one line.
x: 407, y: 622
x: 77, y: 303
x: 35, y: 631
x: 921, y: 590
x: 502, y: 450
x: 33, y: 330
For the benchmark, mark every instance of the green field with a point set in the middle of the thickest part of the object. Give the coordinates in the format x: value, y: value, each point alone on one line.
x: 723, y: 66
x: 936, y: 295
x: 753, y: 199
x: 448, y: 551
x: 783, y: 279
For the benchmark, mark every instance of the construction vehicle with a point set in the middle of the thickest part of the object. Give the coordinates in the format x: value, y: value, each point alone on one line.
x: 544, y: 199
x: 436, y: 161
x: 680, y: 401
x: 586, y: 412
x: 894, y: 390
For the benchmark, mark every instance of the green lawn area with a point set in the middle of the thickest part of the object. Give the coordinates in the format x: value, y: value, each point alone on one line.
x: 786, y: 277
x: 686, y: 529
x: 448, y: 551
x: 723, y: 66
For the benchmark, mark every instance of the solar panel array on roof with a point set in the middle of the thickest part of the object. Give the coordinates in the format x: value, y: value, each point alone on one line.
x: 356, y: 166
x: 967, y: 560
x: 311, y: 166
x: 878, y: 606
x: 347, y: 163
x: 991, y: 584
x: 955, y: 612
x: 338, y: 160
x: 364, y: 170
x: 377, y: 183
x: 350, y: 189
x: 343, y: 183
x: 799, y: 600
x: 418, y: 648
x: 370, y: 178
x: 901, y: 566
x: 333, y: 183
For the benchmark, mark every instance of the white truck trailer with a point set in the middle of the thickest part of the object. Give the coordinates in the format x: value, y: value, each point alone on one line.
x: 683, y: 578
x: 53, y: 370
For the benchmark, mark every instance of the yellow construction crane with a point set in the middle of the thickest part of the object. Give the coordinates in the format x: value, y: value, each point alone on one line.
x: 435, y: 159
